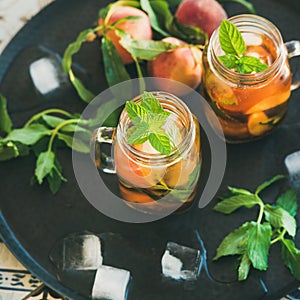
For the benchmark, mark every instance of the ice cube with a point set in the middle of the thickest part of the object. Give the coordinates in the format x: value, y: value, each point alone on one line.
x: 252, y: 39
x: 47, y: 74
x: 292, y: 163
x: 78, y: 251
x: 147, y: 148
x: 181, y: 262
x: 171, y: 265
x: 111, y: 283
x: 174, y: 129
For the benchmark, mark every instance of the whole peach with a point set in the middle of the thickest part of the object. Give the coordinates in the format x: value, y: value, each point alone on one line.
x: 205, y: 14
x: 139, y: 29
x: 181, y: 64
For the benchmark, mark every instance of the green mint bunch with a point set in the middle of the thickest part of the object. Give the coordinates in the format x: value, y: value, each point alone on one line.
x: 42, y: 135
x: 251, y: 241
x: 147, y: 118
x: 233, y: 44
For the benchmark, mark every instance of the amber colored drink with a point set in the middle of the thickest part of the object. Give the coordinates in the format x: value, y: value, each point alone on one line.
x: 161, y: 182
x: 249, y: 106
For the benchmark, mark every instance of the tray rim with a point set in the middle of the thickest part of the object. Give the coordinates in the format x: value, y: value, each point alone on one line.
x: 7, y: 236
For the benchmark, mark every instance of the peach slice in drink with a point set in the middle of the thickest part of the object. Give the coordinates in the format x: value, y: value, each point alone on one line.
x: 133, y: 196
x: 138, y: 174
x: 269, y: 102
x: 234, y: 129
x: 259, y: 123
x: 177, y: 175
x: 219, y: 91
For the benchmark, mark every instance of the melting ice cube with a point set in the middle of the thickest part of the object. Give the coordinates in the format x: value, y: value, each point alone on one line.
x: 111, y: 283
x: 47, y: 74
x: 180, y: 262
x: 292, y: 163
x: 78, y: 251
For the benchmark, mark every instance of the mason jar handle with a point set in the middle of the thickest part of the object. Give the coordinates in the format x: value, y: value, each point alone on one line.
x: 101, y: 147
x: 293, y: 49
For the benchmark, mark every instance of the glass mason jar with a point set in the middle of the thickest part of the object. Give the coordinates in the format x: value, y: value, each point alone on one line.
x: 149, y: 181
x: 250, y: 106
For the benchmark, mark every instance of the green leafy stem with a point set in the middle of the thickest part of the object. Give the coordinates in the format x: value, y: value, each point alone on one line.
x: 42, y: 134
x: 252, y: 240
x: 115, y: 71
x: 162, y: 21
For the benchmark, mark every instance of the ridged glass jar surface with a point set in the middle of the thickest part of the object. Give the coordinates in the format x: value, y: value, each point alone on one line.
x: 249, y: 106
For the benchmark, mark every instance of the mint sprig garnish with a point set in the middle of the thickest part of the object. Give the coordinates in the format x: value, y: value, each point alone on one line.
x: 43, y: 134
x: 234, y: 46
x: 147, y: 118
x: 252, y: 240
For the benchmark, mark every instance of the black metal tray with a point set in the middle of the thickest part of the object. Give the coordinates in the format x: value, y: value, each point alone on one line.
x: 32, y: 219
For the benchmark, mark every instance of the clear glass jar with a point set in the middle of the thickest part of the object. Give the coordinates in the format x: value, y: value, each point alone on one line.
x: 149, y: 181
x: 250, y: 106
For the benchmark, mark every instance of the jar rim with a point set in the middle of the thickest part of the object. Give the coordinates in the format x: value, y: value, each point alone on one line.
x: 253, y: 78
x: 157, y: 158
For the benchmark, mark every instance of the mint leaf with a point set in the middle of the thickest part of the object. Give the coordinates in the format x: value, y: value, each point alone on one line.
x: 234, y: 46
x: 74, y: 143
x: 244, y: 267
x: 54, y: 181
x: 55, y: 178
x: 114, y: 68
x: 163, y: 21
x: 230, y: 61
x: 291, y: 257
x: 289, y: 202
x: 244, y: 3
x: 268, y: 183
x: 144, y: 49
x: 151, y: 103
x: 102, y: 113
x: 278, y: 217
x: 249, y: 64
x: 234, y: 242
x: 8, y: 151
x: 136, y: 112
x: 228, y: 205
x: 258, y: 244
x: 158, y: 120
x: 5, y: 121
x: 148, y: 117
x: 28, y: 135
x: 160, y: 142
x: 141, y: 140
x: 72, y: 49
x: 159, y: 14
x: 104, y: 12
x: 44, y: 165
x: 137, y: 134
x: 239, y: 191
x: 54, y: 121
x: 231, y: 40
x: 128, y: 18
x: 188, y: 33
x: 83, y: 92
